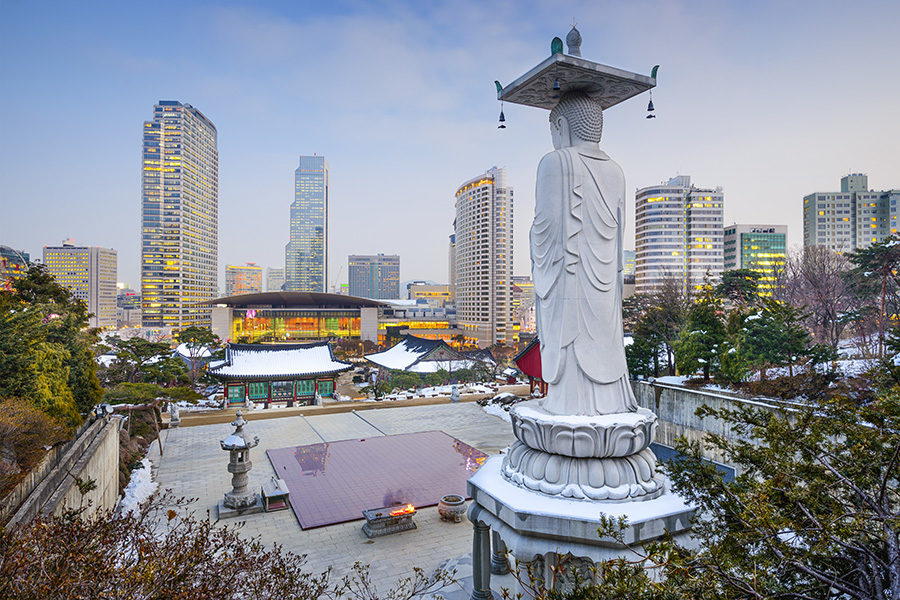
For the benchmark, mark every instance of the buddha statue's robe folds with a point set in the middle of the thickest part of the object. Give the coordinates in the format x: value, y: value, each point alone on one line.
x: 576, y: 256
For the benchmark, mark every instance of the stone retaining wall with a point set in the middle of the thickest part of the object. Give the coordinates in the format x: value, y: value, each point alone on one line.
x: 51, y: 488
x: 675, y: 407
x: 14, y: 499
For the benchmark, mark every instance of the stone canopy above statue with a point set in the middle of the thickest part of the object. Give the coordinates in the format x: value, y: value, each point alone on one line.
x: 545, y: 84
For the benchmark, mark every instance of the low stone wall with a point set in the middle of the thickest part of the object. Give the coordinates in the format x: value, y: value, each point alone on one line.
x: 675, y: 407
x: 91, y: 456
x: 14, y: 499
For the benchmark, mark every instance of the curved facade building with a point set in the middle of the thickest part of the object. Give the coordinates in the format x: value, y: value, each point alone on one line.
x: 678, y: 234
x: 302, y: 317
x: 483, y: 261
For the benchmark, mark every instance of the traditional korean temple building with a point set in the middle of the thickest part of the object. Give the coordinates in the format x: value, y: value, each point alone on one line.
x: 282, y: 373
x: 420, y: 355
x: 529, y: 362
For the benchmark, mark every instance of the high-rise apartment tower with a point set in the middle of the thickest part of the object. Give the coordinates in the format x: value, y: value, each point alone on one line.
x: 306, y: 254
x: 179, y: 216
x: 483, y: 241
x: 89, y: 273
x: 678, y: 234
x: 855, y: 217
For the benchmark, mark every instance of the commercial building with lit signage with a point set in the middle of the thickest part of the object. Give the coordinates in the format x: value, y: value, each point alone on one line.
x: 678, y: 234
x: 759, y: 248
x: 306, y: 254
x: 856, y: 217
x: 300, y: 317
x: 89, y: 273
x: 483, y: 243
x: 179, y: 217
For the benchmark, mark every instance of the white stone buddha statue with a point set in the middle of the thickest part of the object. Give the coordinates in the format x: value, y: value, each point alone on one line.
x: 576, y: 257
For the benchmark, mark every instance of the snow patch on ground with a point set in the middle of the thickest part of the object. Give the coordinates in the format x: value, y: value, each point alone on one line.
x: 848, y: 367
x: 672, y: 379
x: 140, y: 487
x: 717, y: 388
x: 201, y: 405
x: 498, y: 411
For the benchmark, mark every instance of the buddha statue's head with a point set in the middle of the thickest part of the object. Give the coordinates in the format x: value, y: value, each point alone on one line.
x: 576, y: 119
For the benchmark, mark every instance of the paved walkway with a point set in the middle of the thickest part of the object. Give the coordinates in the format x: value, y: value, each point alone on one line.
x: 193, y: 465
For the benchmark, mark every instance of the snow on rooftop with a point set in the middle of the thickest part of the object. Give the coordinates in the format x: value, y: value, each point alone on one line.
x: 409, y: 352
x: 399, y: 357
x: 246, y: 360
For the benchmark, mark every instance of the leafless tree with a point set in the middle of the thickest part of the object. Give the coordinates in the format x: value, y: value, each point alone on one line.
x: 817, y: 279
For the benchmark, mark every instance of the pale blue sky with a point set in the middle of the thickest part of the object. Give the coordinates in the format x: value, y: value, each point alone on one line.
x: 771, y: 100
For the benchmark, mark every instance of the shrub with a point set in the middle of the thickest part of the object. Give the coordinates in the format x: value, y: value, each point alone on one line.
x: 156, y: 555
x: 25, y: 432
x: 142, y: 393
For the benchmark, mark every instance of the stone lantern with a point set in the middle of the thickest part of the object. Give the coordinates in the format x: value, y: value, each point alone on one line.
x: 240, y: 500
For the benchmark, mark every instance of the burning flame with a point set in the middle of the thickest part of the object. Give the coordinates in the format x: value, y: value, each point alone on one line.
x: 405, y: 510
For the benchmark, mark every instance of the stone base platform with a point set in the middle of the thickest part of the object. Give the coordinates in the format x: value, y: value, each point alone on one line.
x: 536, y: 527
x: 230, y: 513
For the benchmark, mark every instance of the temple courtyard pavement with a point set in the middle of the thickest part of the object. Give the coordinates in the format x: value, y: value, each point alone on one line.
x: 193, y: 466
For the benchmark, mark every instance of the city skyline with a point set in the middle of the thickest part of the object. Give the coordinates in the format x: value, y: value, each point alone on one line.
x: 733, y: 107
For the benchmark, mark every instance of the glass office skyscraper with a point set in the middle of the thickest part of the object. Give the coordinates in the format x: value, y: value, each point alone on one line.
x: 760, y: 248
x: 306, y: 255
x: 179, y: 216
